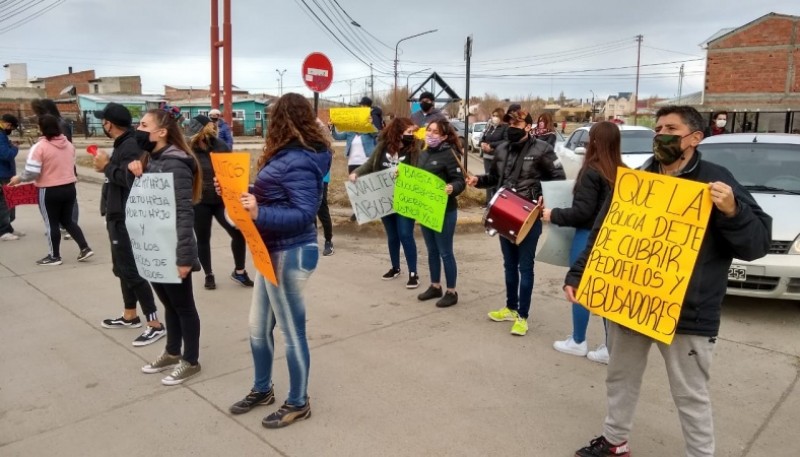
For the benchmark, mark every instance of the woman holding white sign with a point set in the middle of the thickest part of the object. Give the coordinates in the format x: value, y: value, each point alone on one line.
x: 396, y: 144
x: 167, y: 152
x: 593, y: 185
x: 283, y: 204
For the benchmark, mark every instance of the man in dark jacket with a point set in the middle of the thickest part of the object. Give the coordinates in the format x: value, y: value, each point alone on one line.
x: 520, y: 163
x: 427, y: 111
x: 737, y: 228
x: 8, y: 169
x: 117, y: 125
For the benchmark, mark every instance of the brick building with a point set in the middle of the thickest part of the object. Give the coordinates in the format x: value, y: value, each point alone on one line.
x: 753, y: 73
x: 67, y: 84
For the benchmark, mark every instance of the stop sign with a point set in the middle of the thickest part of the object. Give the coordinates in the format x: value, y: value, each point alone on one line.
x: 317, y: 72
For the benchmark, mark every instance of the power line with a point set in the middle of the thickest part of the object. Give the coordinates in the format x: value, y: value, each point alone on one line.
x: 347, y: 36
x: 31, y: 17
x: 354, y: 25
x: 360, y: 27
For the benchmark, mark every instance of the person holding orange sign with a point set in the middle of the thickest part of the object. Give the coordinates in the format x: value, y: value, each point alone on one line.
x: 738, y: 228
x: 283, y: 203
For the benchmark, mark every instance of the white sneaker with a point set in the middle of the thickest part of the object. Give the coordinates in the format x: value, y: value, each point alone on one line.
x: 569, y: 346
x: 19, y: 233
x: 8, y: 237
x: 600, y: 355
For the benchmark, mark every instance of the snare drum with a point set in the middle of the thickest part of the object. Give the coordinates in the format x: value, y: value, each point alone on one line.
x: 510, y: 215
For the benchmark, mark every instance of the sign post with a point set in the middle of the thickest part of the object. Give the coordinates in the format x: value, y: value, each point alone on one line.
x: 317, y: 74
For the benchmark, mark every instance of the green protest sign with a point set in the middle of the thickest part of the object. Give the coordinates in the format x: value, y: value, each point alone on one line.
x: 420, y: 195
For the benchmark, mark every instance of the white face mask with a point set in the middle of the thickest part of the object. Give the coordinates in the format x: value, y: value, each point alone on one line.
x: 721, y: 123
x: 495, y: 120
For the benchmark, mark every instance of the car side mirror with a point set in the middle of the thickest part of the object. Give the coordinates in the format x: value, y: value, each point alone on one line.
x: 580, y: 150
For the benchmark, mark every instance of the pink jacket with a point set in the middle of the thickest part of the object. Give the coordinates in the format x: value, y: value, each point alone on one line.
x: 51, y: 163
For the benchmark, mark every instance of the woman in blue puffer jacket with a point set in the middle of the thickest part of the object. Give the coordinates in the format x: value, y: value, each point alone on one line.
x: 283, y: 204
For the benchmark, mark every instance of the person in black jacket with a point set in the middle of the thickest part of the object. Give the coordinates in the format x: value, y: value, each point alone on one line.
x: 593, y: 185
x: 203, y: 141
x: 520, y: 163
x: 117, y: 125
x: 442, y: 159
x: 545, y: 129
x: 737, y: 228
x: 396, y: 144
x: 167, y: 152
x: 494, y: 134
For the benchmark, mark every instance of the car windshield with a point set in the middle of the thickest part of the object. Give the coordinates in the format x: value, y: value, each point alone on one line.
x: 637, y: 141
x: 760, y: 167
x: 478, y: 127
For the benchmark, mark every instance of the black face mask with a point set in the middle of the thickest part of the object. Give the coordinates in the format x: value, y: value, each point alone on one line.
x: 516, y: 134
x: 408, y: 140
x: 8, y: 131
x: 108, y: 133
x: 667, y: 148
x: 143, y: 140
x: 426, y: 106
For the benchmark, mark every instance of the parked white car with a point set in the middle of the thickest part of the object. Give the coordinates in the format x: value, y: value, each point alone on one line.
x: 475, y: 133
x: 637, y: 147
x: 768, y: 166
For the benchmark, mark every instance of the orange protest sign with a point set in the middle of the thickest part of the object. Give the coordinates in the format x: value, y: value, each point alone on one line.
x: 232, y: 170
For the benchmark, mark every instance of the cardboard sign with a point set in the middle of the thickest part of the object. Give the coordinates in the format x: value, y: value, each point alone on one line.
x: 420, y: 195
x: 555, y: 242
x: 150, y: 217
x: 232, y: 170
x: 372, y: 195
x: 23, y: 194
x: 644, y: 255
x: 358, y: 120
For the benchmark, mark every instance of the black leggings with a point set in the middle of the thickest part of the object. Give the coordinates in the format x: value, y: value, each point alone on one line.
x: 180, y: 315
x: 56, y: 204
x: 324, y: 214
x: 203, y: 214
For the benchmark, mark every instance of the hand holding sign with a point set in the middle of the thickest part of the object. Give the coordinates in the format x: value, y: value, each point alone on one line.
x: 723, y: 198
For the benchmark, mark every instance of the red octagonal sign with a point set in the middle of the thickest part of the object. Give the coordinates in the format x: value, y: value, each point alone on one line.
x: 317, y: 72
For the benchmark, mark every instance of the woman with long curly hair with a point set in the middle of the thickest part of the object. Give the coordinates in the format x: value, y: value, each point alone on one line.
x: 396, y: 144
x: 283, y: 204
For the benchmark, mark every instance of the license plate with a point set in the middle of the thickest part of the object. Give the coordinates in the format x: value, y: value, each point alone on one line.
x: 737, y: 273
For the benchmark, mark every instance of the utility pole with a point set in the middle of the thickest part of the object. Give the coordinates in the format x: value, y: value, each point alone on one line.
x: 680, y: 84
x: 371, y: 85
x: 591, y: 119
x: 227, y: 62
x: 215, y: 45
x: 636, y: 97
x: 350, y: 100
x: 467, y: 57
x: 280, y: 73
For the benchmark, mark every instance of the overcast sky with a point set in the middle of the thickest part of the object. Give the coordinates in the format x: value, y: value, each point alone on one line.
x: 541, y: 49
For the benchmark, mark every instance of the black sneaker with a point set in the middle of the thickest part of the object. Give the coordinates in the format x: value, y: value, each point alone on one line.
x: 449, y: 299
x: 242, y: 278
x: 210, y: 284
x: 432, y: 292
x: 599, y: 447
x: 391, y: 274
x: 49, y: 260
x: 121, y: 322
x: 150, y: 336
x: 328, y: 248
x: 85, y: 254
x: 286, y: 415
x: 251, y: 400
x: 413, y: 281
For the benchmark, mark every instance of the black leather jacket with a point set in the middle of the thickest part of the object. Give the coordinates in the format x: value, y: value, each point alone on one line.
x: 523, y: 166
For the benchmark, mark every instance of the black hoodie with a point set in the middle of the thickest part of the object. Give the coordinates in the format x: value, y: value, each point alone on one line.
x: 118, y: 179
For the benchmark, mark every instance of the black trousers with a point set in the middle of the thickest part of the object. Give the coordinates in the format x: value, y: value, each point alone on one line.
x: 180, y: 315
x: 203, y: 215
x: 134, y: 287
x: 324, y: 214
x: 57, y: 204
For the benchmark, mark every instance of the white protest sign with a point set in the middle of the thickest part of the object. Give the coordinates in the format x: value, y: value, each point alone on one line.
x: 150, y: 217
x: 555, y: 242
x: 372, y: 195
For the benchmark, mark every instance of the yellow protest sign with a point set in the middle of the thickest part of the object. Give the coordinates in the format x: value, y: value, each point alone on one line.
x: 232, y: 170
x: 358, y: 120
x: 640, y: 265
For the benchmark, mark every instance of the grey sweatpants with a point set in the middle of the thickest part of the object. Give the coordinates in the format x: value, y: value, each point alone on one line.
x: 688, y: 363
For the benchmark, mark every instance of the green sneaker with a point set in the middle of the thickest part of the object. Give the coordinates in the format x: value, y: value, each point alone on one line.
x: 183, y: 371
x: 520, y: 327
x: 504, y: 314
x: 161, y: 363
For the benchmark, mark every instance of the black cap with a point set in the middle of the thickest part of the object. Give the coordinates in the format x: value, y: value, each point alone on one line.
x: 10, y: 119
x: 116, y: 114
x: 428, y: 95
x: 365, y: 101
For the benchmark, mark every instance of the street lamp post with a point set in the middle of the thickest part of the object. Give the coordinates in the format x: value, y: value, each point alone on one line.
x: 396, y: 47
x: 414, y: 73
x: 280, y: 73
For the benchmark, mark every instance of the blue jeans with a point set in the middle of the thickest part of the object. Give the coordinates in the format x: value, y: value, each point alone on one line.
x: 283, y: 304
x: 518, y: 265
x: 440, y: 250
x: 400, y: 230
x: 580, y: 315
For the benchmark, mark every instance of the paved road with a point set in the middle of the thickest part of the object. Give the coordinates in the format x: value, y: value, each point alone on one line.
x: 391, y: 376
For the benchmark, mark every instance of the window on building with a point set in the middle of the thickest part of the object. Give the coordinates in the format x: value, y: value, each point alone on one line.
x: 771, y: 122
x: 794, y: 127
x: 257, y: 115
x: 203, y: 112
x: 238, y: 114
x: 97, y: 88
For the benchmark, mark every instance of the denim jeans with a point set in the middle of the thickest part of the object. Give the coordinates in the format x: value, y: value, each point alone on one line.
x: 580, y: 315
x: 518, y: 265
x: 440, y: 250
x: 283, y: 304
x: 400, y: 230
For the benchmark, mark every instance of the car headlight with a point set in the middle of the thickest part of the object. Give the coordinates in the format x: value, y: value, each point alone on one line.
x: 795, y: 247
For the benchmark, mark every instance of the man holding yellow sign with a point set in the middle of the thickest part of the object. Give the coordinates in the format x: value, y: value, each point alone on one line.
x: 656, y: 265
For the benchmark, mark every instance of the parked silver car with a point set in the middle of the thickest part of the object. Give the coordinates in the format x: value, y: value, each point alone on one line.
x: 767, y: 165
x: 636, y: 147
